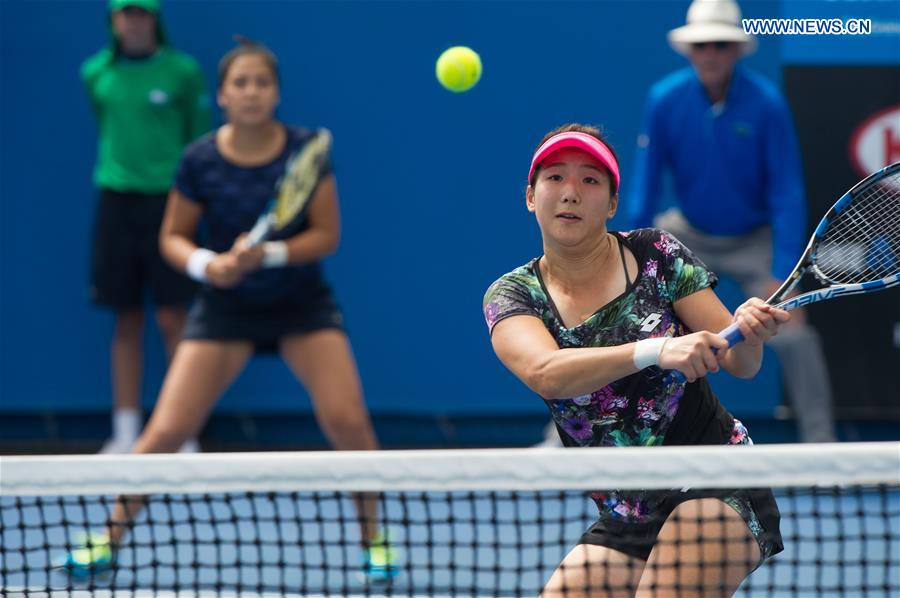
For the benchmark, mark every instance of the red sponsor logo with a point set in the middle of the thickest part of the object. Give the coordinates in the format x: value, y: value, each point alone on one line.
x: 876, y: 142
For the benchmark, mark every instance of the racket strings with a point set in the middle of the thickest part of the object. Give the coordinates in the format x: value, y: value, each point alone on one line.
x: 862, y: 242
x: 301, y: 178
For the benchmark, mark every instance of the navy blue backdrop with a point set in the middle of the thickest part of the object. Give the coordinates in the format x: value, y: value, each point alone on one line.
x: 431, y: 182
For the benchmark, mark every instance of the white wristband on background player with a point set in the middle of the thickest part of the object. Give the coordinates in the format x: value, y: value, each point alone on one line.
x: 646, y: 352
x: 197, y: 263
x: 275, y: 254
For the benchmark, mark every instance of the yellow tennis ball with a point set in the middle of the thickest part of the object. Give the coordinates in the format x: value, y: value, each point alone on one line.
x: 458, y: 68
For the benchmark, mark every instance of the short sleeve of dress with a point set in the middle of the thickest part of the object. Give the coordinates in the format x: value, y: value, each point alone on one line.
x: 683, y: 271
x: 509, y: 296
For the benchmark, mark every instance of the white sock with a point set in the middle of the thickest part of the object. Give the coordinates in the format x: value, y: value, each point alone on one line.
x: 126, y: 425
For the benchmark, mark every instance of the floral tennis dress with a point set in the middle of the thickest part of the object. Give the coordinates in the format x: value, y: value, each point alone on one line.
x: 650, y: 407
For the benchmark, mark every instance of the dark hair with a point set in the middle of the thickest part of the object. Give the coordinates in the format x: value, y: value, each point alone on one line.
x: 594, y: 132
x: 247, y: 47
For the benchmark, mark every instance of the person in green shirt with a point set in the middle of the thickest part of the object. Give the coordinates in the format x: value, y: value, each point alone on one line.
x: 149, y: 101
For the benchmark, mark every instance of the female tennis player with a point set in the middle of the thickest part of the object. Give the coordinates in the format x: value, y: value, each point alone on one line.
x: 271, y: 297
x: 596, y: 326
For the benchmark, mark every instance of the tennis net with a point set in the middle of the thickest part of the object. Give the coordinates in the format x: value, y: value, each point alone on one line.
x: 454, y: 522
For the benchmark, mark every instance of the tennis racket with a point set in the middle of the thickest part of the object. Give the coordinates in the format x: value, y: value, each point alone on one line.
x: 295, y: 188
x: 855, y: 248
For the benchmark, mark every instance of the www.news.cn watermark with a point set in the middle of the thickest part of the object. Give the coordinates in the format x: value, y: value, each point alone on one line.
x: 807, y: 26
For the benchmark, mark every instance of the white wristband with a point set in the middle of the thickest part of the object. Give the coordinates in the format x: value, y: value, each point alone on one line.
x: 646, y: 352
x: 275, y: 254
x: 197, y: 263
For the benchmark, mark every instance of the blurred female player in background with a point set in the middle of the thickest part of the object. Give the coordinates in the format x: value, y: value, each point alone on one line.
x: 271, y: 297
x: 595, y: 326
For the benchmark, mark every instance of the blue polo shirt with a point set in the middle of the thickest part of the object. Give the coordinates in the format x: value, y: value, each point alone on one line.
x: 735, y: 166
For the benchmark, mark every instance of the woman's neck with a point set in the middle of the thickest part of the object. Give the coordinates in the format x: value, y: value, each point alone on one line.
x: 251, y: 146
x: 574, y: 269
x: 247, y: 139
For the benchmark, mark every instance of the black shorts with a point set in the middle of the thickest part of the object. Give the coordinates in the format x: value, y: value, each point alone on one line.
x: 215, y: 316
x: 757, y: 507
x: 126, y: 258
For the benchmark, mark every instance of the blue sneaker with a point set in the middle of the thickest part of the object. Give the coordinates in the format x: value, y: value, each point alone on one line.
x: 93, y: 556
x: 380, y: 560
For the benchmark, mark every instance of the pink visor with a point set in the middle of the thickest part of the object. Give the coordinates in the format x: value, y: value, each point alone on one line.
x: 584, y: 142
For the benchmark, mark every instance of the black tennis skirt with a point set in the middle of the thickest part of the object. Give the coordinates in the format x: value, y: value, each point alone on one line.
x: 216, y: 316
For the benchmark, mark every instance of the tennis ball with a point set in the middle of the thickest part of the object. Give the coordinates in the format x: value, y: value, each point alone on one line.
x: 458, y: 68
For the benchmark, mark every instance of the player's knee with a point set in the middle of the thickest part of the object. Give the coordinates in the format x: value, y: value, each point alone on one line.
x: 344, y: 423
x: 162, y: 438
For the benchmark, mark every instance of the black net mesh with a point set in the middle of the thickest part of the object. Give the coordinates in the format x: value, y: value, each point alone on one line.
x: 838, y: 540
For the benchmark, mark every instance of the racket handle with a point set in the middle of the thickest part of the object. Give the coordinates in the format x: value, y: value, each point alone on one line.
x: 260, y: 230
x: 732, y: 334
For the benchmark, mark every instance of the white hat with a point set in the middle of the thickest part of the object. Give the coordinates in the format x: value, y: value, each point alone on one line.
x: 712, y: 21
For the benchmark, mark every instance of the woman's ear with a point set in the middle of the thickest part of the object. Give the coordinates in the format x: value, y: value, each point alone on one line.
x: 613, y: 206
x: 529, y: 198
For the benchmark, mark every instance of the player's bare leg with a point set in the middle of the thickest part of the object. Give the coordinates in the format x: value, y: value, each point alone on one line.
x: 704, y: 549
x: 171, y: 321
x: 198, y: 375
x: 323, y: 361
x: 590, y: 570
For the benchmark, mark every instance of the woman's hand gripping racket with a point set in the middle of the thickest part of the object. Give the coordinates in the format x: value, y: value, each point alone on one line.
x: 296, y: 188
x: 855, y: 248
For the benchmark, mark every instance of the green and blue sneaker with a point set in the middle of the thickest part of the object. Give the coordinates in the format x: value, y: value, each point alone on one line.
x: 380, y: 560
x: 93, y: 556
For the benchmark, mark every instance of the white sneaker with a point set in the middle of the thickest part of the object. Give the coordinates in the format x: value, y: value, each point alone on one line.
x: 190, y: 446
x: 116, y: 446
